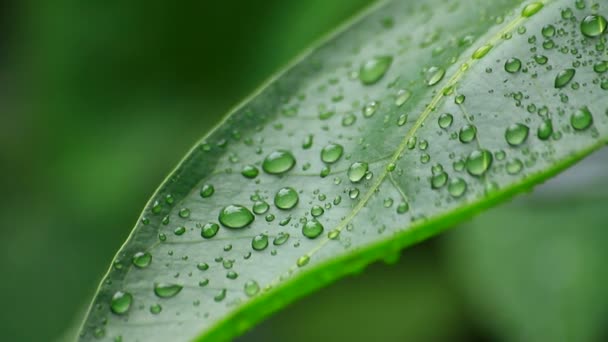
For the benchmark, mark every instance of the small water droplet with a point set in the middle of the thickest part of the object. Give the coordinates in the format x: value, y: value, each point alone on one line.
x: 179, y: 230
x: 435, y: 75
x: 280, y: 239
x: 166, y: 290
x: 220, y: 296
x: 251, y: 288
x: 402, y: 96
x: 203, y: 266
x: 516, y: 134
x: 184, y: 213
x: 209, y: 230
x: 514, y: 166
x: 357, y: 171
x: 467, y: 133
x: 545, y: 129
x: 250, y: 171
x: 512, y: 65
x: 303, y: 260
x: 121, y: 302
x: 478, y: 162
x: 312, y: 229
x: 142, y: 259
x: 260, y: 207
x: 482, y: 51
x: 278, y: 162
x: 207, y: 190
x: 564, y: 77
x: 316, y: 211
x: 445, y: 120
x: 331, y: 153
x: 403, y: 208
x: 457, y: 187
x: 532, y: 9
x: 581, y: 119
x: 370, y: 109
x: 374, y: 69
x: 155, y: 309
x: 286, y: 198
x: 235, y: 216
x: 259, y: 242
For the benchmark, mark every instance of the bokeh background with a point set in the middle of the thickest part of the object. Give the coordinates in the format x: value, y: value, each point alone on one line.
x: 101, y: 99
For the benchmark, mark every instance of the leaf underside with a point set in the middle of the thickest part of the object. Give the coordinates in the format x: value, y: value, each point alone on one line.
x: 396, y: 124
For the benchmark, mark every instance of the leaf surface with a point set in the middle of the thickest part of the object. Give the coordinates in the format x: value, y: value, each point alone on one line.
x: 428, y: 112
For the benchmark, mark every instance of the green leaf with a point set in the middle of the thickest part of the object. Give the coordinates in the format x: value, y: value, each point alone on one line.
x: 411, y: 118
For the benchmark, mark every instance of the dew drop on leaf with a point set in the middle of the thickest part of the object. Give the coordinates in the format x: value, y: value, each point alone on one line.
x: 286, y: 198
x: 303, y: 260
x: 155, y: 309
x: 209, y: 230
x: 251, y: 288
x: 478, y: 162
x: 250, y: 171
x: 457, y: 187
x: 531, y: 9
x: 207, y: 190
x: 280, y: 239
x: 593, y: 25
x: 121, y: 302
x: 512, y: 65
x: 142, y: 259
x: 402, y: 96
x: 312, y: 229
x: 331, y: 153
x: 260, y: 207
x: 357, y: 171
x: 545, y: 129
x: 278, y: 162
x: 166, y: 290
x: 445, y: 120
x: 581, y: 119
x: 514, y: 166
x: 435, y: 75
x: 467, y: 133
x: 235, y: 216
x: 482, y: 51
x: 373, y: 70
x: 564, y: 77
x: 516, y: 134
x: 259, y: 242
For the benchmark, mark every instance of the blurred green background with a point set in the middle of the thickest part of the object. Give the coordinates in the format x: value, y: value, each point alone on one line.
x: 101, y: 99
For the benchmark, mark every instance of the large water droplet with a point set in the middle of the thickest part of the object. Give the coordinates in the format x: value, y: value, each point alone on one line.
x: 593, y: 25
x: 235, y: 216
x: 435, y: 75
x: 478, y: 162
x: 286, y: 198
x: 516, y: 134
x: 581, y: 119
x: 331, y: 153
x: 121, y: 302
x: 357, y: 171
x: 512, y: 65
x: 166, y: 290
x: 209, y: 230
x: 312, y: 229
x: 278, y: 162
x: 142, y: 259
x: 564, y: 77
x: 374, y: 69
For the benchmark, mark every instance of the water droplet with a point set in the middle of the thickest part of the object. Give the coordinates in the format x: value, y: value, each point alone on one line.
x: 307, y: 143
x: 542, y: 60
x: 155, y: 309
x: 593, y: 25
x: 142, y: 259
x: 184, y: 213
x: 435, y: 75
x: 548, y: 31
x: 439, y: 180
x: 459, y: 99
x: 374, y: 69
x: 403, y: 208
x: 353, y: 193
x: 370, y: 109
x: 121, y: 302
x: 207, y: 190
x: 531, y: 9
x: 445, y: 120
x: 581, y: 119
x: 601, y: 67
x: 467, y: 133
x: 235, y: 216
x: 357, y: 171
x: 545, y: 129
x: 165, y: 290
x: 478, y: 162
x: 259, y: 242
x: 333, y: 234
x: 278, y: 162
x: 179, y: 230
x: 260, y: 207
x: 516, y: 134
x: 457, y: 187
x: 514, y: 166
x: 402, y: 96
x: 280, y: 239
x: 209, y: 230
x: 303, y: 260
x: 316, y: 211
x: 251, y: 288
x: 402, y: 119
x: 512, y: 65
x: 331, y: 153
x: 312, y: 229
x: 482, y: 51
x: 564, y: 77
x: 220, y: 296
x: 203, y: 266
x: 250, y: 171
x: 286, y: 198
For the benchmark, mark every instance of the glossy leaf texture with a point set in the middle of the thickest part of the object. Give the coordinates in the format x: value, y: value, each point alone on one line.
x: 412, y: 117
